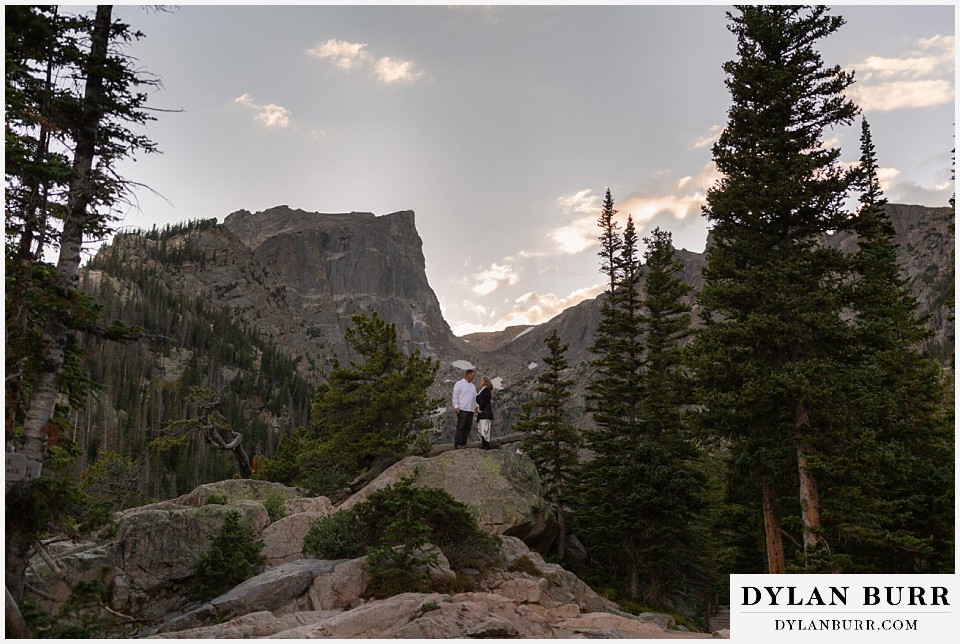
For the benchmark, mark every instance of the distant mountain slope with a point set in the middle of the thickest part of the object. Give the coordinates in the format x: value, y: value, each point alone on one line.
x: 257, y: 307
x: 925, y: 238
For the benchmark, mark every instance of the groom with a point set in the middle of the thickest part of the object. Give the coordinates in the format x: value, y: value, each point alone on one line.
x: 464, y: 404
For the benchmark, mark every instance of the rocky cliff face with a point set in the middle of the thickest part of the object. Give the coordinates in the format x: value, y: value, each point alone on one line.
x: 298, y: 277
x: 330, y: 266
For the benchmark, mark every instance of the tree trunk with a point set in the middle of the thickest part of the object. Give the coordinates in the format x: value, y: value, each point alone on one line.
x: 17, y: 542
x: 71, y: 241
x: 16, y: 627
x: 243, y: 461
x: 47, y: 387
x: 561, y: 518
x: 633, y: 574
x: 437, y: 450
x: 776, y: 564
x: 809, y: 495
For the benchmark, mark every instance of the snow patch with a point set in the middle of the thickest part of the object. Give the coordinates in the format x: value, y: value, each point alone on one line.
x: 497, y: 382
x: 523, y: 333
x: 463, y: 364
x: 532, y: 365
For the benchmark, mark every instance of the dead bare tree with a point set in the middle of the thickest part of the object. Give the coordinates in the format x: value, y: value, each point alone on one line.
x: 212, y: 426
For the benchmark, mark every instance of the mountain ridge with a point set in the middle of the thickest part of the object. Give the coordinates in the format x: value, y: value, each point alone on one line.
x: 295, y: 278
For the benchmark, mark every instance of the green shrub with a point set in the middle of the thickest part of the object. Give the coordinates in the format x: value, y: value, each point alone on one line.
x: 336, y: 536
x: 216, y: 499
x: 233, y: 557
x: 392, y: 527
x: 82, y: 616
x: 274, y: 506
x: 399, y: 569
x: 523, y: 564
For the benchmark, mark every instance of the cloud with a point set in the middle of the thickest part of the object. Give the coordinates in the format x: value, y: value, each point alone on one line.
x: 393, y: 70
x: 350, y: 56
x: 487, y: 11
x: 922, y: 78
x: 534, y: 308
x: 478, y: 309
x: 583, y: 201
x: 897, y: 95
x: 707, y: 141
x: 679, y: 199
x: 345, y: 55
x: 270, y: 115
x: 887, y: 177
x: 492, y: 278
x: 580, y: 234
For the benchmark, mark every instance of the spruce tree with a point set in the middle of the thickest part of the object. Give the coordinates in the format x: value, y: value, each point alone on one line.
x: 553, y: 442
x: 896, y: 466
x: 366, y: 410
x: 640, y: 495
x: 610, y: 241
x: 74, y: 81
x: 770, y: 356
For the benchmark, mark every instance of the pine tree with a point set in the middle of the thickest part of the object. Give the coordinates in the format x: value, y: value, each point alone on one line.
x: 896, y: 467
x: 617, y: 343
x: 771, y: 357
x: 773, y: 343
x: 640, y: 496
x: 96, y: 130
x: 367, y: 410
x: 553, y: 442
x: 610, y: 241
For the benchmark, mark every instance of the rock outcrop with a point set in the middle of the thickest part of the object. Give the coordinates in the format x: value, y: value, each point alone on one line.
x: 502, y: 485
x: 331, y: 266
x: 150, y: 553
x: 320, y: 599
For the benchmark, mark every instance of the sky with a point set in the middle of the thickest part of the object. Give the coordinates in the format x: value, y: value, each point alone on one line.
x: 500, y: 126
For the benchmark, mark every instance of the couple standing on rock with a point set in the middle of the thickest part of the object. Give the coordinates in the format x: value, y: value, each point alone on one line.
x: 466, y: 402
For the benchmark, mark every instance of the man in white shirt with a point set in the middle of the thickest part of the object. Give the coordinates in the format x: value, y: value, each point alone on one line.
x: 464, y: 404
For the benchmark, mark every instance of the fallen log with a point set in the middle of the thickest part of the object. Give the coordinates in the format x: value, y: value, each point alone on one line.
x: 495, y: 443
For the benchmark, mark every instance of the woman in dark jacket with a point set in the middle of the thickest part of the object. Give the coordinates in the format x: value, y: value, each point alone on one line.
x: 485, y: 417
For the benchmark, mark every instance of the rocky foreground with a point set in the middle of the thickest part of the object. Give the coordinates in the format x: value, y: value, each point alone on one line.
x: 148, y: 557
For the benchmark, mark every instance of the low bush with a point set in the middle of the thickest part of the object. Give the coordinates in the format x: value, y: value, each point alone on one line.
x: 274, y: 506
x: 233, y: 557
x: 392, y: 527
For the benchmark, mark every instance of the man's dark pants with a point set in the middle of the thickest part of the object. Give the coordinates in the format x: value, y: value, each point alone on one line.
x: 464, y: 422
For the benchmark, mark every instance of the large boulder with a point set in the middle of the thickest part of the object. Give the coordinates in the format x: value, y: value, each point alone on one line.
x: 503, y: 486
x: 527, y: 577
x: 233, y: 490
x: 272, y: 590
x: 283, y: 539
x: 155, y: 550
x: 147, y: 557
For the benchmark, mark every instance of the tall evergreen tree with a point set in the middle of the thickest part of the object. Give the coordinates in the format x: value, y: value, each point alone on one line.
x: 95, y: 129
x: 367, y: 410
x: 617, y: 343
x: 610, y: 241
x: 897, y: 466
x: 640, y: 495
x: 553, y: 442
x: 773, y: 296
